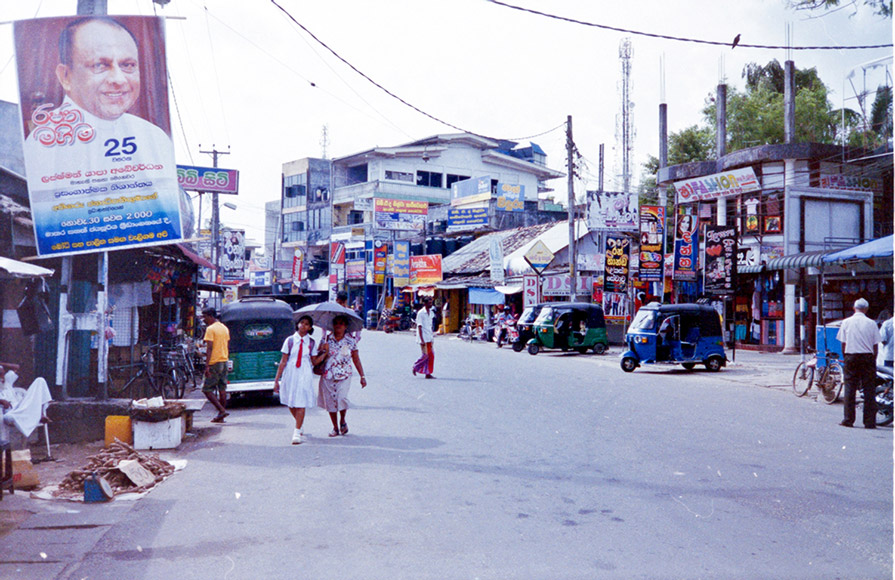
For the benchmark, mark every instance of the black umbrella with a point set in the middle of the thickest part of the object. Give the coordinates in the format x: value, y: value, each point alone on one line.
x: 323, y: 313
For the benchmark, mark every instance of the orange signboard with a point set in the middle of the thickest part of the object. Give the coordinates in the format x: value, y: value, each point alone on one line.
x: 425, y: 269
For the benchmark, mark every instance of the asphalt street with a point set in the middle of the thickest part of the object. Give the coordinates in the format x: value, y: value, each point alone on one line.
x: 517, y: 466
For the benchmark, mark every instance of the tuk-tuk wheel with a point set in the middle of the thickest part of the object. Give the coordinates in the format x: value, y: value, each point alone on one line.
x: 533, y: 349
x: 689, y: 366
x: 518, y: 346
x: 582, y: 350
x: 714, y: 364
x: 599, y: 348
x: 628, y: 364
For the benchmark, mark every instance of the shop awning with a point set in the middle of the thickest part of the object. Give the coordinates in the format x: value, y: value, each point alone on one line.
x: 194, y: 257
x: 879, y: 248
x: 798, y: 261
x: 488, y: 296
x: 509, y: 289
x: 210, y: 286
x: 10, y: 268
x: 750, y: 269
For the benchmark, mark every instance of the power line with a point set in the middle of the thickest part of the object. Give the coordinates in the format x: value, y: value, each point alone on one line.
x: 680, y: 38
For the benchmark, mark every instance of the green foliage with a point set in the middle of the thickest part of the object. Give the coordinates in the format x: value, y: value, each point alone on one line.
x: 880, y: 7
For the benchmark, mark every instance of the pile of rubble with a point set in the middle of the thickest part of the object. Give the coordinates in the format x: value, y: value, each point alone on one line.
x: 126, y: 470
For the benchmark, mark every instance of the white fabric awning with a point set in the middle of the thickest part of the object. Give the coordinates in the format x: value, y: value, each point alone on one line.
x: 509, y: 289
x: 10, y: 268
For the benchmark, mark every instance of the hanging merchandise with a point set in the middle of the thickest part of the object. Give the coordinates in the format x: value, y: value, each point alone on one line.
x: 33, y: 310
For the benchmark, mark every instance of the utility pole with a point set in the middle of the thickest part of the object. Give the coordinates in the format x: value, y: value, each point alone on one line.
x: 215, y: 218
x: 570, y: 162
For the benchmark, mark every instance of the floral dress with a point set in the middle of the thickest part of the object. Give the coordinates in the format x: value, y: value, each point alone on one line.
x: 336, y: 379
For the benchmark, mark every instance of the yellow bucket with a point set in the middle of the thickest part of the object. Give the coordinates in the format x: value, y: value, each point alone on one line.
x: 119, y: 426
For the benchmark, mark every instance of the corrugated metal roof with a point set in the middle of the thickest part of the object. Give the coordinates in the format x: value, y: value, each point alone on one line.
x: 474, y: 257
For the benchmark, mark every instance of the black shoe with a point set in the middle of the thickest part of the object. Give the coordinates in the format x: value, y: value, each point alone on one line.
x: 846, y: 424
x: 870, y: 426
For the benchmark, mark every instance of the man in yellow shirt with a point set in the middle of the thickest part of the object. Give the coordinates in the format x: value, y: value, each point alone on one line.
x: 217, y: 353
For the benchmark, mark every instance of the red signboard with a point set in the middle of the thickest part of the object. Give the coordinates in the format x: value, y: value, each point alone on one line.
x: 425, y: 269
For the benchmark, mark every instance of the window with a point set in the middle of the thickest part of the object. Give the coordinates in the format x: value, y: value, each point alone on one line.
x: 428, y: 179
x: 357, y: 174
x: 451, y: 179
x: 298, y: 226
x: 398, y: 176
x: 355, y: 217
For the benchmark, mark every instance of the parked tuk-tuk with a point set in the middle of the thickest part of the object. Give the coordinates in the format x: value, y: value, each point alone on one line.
x: 685, y: 334
x: 258, y: 328
x: 524, y: 326
x: 569, y: 326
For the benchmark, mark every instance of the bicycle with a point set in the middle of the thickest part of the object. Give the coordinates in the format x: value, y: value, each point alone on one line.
x: 143, y: 383
x: 177, y: 362
x: 829, y: 383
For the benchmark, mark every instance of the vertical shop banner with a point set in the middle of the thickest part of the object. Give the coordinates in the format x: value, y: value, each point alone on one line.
x: 530, y: 295
x: 402, y: 263
x: 380, y: 259
x: 425, y: 269
x: 720, y: 259
x: 652, y: 241
x: 495, y: 254
x: 98, y: 153
x: 686, y: 248
x: 297, y: 265
x: 618, y: 257
x: 233, y: 255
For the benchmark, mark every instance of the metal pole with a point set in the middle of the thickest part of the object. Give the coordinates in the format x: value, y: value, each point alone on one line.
x: 570, y: 147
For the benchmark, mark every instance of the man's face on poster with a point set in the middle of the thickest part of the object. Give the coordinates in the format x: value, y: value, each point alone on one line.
x: 104, y: 75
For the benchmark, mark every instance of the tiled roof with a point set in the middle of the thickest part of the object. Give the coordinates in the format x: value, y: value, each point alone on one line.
x: 474, y: 257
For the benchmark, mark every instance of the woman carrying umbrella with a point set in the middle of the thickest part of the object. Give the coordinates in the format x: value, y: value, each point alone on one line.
x: 300, y: 354
x: 341, y: 351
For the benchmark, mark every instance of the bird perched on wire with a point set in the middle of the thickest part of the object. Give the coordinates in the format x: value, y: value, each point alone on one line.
x: 736, y: 41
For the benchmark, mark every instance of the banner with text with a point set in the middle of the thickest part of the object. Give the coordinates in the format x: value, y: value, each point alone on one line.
x: 612, y: 210
x: 510, y: 197
x: 380, y: 259
x: 425, y: 269
x: 617, y: 264
x: 652, y: 242
x: 99, y: 161
x: 400, y: 214
x: 402, y: 263
x: 720, y: 260
x: 686, y: 248
x: 733, y: 182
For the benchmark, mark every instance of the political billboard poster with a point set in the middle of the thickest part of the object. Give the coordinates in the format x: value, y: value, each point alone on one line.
x: 618, y: 258
x: 652, y: 242
x: 233, y: 255
x: 98, y: 152
x: 612, y: 210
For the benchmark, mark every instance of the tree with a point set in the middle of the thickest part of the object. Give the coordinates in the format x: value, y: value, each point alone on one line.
x: 694, y: 143
x: 880, y: 7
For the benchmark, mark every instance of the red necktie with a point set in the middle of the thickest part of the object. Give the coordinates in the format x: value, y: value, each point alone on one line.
x: 301, y: 346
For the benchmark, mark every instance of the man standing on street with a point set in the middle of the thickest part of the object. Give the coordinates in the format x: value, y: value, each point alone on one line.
x: 217, y: 353
x: 424, y: 320
x: 887, y: 334
x: 860, y: 339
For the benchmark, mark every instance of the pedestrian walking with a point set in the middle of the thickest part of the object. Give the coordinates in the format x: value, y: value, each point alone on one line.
x: 341, y: 351
x: 424, y: 319
x: 217, y: 353
x: 342, y: 300
x: 860, y: 339
x: 295, y: 378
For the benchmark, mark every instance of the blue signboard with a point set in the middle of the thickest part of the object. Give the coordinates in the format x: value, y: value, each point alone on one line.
x: 510, y: 197
x: 467, y: 217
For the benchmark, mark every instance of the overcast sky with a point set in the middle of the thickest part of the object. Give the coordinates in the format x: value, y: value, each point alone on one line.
x: 242, y: 73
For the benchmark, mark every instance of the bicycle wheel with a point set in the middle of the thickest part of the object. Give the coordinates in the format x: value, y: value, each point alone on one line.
x: 164, y: 385
x: 802, y: 379
x: 832, y: 386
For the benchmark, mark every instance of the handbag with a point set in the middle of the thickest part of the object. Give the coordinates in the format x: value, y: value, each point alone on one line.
x: 320, y: 367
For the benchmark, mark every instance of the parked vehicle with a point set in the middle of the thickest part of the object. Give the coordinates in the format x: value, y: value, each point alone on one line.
x: 685, y: 334
x: 822, y: 372
x: 506, y: 332
x: 883, y: 395
x: 524, y: 326
x: 474, y: 328
x: 258, y: 328
x: 569, y: 326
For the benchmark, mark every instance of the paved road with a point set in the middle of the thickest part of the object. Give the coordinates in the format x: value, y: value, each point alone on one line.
x: 514, y: 466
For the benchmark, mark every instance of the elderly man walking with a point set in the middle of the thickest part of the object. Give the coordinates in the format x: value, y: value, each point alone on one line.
x: 860, y: 339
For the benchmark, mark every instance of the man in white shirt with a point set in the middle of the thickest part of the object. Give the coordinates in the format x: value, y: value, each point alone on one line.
x: 25, y: 409
x: 860, y: 339
x: 424, y: 320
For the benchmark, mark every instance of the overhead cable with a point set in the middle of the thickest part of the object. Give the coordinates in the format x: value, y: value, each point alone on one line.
x: 679, y: 38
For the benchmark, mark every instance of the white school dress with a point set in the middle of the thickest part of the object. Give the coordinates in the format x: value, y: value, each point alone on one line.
x: 297, y: 385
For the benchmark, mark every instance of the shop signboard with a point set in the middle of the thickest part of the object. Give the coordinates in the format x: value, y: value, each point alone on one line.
x: 612, y: 210
x: 400, y: 214
x: 538, y: 256
x: 260, y: 278
x: 686, y: 248
x: 355, y: 270
x: 297, y: 266
x: 720, y: 260
x: 495, y: 254
x: 402, y: 263
x: 471, y: 190
x: 615, y: 306
x: 850, y: 182
x: 467, y: 218
x: 425, y: 269
x: 233, y: 255
x: 100, y: 171
x: 530, y: 294
x: 561, y: 284
x: 618, y: 257
x: 380, y: 259
x: 710, y: 187
x: 208, y: 179
x: 510, y: 197
x: 652, y: 242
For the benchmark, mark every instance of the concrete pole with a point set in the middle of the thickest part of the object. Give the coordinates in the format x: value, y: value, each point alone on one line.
x: 791, y: 235
x: 663, y: 135
x: 570, y: 148
x: 721, y: 145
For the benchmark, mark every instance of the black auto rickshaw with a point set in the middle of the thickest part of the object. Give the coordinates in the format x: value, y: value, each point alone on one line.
x: 524, y: 326
x: 569, y: 326
x: 258, y: 328
x: 685, y: 334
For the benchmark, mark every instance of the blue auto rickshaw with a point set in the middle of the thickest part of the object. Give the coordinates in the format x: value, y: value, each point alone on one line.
x: 685, y: 334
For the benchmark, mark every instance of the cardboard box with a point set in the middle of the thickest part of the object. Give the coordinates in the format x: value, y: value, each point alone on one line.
x: 24, y: 476
x: 160, y: 435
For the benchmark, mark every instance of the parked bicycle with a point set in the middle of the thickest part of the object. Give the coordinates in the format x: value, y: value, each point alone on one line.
x: 144, y: 382
x: 828, y: 382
